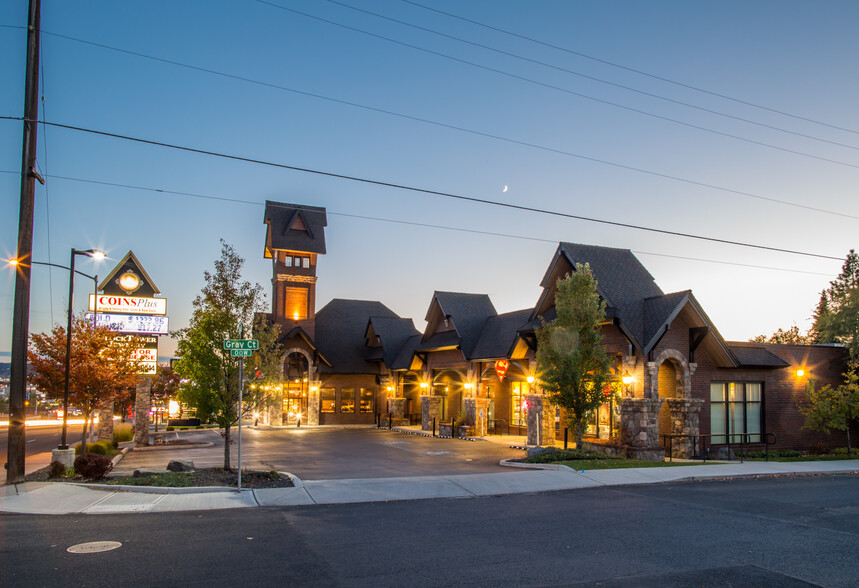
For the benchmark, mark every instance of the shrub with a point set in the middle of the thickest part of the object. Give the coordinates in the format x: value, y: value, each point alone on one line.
x: 843, y: 451
x: 570, y: 455
x: 123, y: 432
x: 199, y: 427
x: 818, y: 449
x: 57, y: 469
x: 169, y: 429
x: 91, y: 465
x: 103, y: 447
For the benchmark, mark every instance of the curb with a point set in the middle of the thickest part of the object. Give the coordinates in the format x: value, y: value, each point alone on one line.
x: 174, y: 447
x: 532, y: 466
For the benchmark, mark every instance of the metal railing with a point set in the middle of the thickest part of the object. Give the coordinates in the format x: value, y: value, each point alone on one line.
x: 701, y: 450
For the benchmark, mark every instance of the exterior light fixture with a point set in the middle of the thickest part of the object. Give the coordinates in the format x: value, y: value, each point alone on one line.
x: 295, y: 316
x: 423, y: 384
x: 627, y: 379
x: 315, y: 389
x: 530, y: 379
x: 468, y: 385
x: 800, y: 372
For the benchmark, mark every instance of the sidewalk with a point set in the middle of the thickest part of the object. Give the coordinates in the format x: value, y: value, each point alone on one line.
x: 67, y: 498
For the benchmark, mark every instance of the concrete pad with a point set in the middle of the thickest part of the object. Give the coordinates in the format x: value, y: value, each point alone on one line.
x: 382, y: 489
x: 210, y: 501
x: 55, y: 498
x: 520, y: 482
x: 283, y: 497
x: 125, y: 502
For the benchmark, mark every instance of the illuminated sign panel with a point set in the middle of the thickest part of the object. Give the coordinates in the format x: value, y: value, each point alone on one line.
x: 133, y: 323
x: 130, y: 304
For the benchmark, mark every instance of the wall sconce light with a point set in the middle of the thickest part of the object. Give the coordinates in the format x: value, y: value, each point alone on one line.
x: 389, y: 389
x: 423, y: 385
x: 627, y: 380
x: 530, y: 379
x: 314, y: 389
x: 800, y: 372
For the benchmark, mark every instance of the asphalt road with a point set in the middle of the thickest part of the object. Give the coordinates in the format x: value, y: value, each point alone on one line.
x: 752, y: 532
x: 317, y: 454
x: 39, y: 442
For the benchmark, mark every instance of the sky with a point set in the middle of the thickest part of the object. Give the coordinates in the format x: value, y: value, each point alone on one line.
x: 734, y: 121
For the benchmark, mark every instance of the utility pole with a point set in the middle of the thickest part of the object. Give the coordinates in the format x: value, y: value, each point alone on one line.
x: 21, y: 313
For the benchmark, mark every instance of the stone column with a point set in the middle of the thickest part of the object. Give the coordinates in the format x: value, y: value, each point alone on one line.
x: 481, y: 416
x: 105, y: 420
x: 685, y: 420
x: 142, y: 406
x: 397, y: 407
x: 639, y: 427
x: 541, y: 421
x: 430, y: 409
x: 312, y: 416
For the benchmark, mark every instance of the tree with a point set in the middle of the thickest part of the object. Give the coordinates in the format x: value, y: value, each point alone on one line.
x: 572, y: 365
x: 101, y: 366
x: 225, y: 309
x: 165, y: 385
x: 833, y: 408
x: 836, y: 318
x: 790, y: 336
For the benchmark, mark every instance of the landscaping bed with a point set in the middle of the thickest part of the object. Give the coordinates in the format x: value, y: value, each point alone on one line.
x: 198, y: 477
x: 587, y: 459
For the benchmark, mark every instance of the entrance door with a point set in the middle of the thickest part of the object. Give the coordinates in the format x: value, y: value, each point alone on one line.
x: 294, y: 407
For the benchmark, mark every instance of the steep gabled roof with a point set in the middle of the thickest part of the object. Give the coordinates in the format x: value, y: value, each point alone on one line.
x: 468, y: 312
x: 294, y: 227
x: 660, y: 311
x: 622, y: 282
x: 300, y: 333
x: 404, y: 357
x: 130, y: 262
x: 393, y: 334
x: 340, y: 329
x: 499, y: 334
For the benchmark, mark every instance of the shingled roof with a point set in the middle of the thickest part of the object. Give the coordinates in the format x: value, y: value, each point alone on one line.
x: 340, y: 329
x: 499, y: 333
x: 294, y: 227
x: 393, y: 334
x: 468, y: 312
x: 755, y: 356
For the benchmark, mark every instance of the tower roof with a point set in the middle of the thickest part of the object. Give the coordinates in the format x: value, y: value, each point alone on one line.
x: 294, y: 227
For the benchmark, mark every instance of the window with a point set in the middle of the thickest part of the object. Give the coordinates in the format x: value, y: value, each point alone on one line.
x: 518, y: 412
x: 736, y: 408
x: 287, y: 261
x: 347, y: 399
x: 366, y: 400
x: 295, y: 304
x: 326, y: 399
x: 305, y: 262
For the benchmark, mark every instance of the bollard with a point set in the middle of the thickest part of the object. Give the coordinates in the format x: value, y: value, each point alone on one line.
x: 390, y: 422
x: 566, y: 436
x: 433, y: 426
x: 299, y: 422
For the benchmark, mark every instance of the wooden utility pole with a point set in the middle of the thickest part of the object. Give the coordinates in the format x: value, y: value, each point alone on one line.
x: 21, y: 313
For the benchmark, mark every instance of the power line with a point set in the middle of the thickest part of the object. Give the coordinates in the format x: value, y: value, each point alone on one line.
x: 430, y: 192
x: 631, y: 69
x: 463, y: 129
x: 602, y: 81
x: 414, y: 223
x: 579, y: 94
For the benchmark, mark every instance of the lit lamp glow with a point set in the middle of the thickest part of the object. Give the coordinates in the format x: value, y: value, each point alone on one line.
x: 800, y: 372
x: 627, y: 379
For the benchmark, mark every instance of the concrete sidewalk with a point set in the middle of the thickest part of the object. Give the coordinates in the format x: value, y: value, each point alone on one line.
x: 67, y: 498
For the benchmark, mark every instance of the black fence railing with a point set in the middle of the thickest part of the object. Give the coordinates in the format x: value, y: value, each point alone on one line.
x: 702, y: 445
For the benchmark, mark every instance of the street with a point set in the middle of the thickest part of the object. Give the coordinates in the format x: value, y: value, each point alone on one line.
x: 41, y: 439
x: 751, y: 532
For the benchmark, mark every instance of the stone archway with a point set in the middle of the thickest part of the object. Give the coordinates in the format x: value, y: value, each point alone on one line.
x: 669, y: 386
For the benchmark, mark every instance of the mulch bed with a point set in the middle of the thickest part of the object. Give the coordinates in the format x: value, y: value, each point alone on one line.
x: 199, y: 477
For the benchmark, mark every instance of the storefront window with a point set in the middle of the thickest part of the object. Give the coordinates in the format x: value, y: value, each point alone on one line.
x: 347, y: 400
x: 518, y: 407
x: 326, y: 399
x: 736, y: 408
x: 366, y: 400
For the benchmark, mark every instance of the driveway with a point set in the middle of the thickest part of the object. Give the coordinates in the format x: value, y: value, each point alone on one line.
x: 322, y: 453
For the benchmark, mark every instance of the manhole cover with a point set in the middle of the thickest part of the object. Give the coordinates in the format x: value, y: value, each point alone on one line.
x: 94, y: 547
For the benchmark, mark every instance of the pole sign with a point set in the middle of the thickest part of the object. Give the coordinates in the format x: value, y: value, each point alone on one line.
x: 128, y: 304
x: 241, y: 352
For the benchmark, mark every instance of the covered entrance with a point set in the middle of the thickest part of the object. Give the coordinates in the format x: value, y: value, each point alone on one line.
x: 295, y: 372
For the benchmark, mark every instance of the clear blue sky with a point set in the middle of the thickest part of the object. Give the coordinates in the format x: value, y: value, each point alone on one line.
x: 793, y: 57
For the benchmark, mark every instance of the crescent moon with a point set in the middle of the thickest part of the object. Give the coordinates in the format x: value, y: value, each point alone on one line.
x: 505, y: 189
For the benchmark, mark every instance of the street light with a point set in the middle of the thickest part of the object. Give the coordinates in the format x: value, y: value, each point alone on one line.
x: 97, y: 255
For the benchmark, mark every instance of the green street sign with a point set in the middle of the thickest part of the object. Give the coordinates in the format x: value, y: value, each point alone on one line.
x: 241, y: 352
x: 234, y: 344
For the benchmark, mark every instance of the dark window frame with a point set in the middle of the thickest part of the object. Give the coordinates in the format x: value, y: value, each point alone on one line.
x: 724, y: 406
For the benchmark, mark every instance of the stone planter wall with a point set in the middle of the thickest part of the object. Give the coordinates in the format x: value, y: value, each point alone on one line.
x: 685, y: 420
x: 639, y: 425
x: 397, y: 407
x: 541, y: 421
x: 477, y: 415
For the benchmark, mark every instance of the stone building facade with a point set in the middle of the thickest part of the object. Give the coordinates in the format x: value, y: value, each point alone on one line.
x: 680, y: 383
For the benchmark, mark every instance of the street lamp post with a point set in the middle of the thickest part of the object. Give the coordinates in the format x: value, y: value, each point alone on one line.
x: 96, y: 254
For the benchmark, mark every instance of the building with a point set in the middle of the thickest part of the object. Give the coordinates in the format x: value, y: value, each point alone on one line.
x: 354, y: 361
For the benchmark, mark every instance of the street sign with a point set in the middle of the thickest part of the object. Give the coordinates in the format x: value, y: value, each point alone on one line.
x: 234, y: 344
x: 241, y: 352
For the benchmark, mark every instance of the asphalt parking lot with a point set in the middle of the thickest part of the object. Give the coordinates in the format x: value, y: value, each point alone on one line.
x: 322, y: 453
